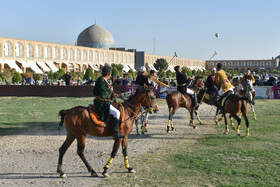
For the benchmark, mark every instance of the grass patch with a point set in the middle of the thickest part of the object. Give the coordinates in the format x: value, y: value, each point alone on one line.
x: 216, y: 159
x: 24, y: 114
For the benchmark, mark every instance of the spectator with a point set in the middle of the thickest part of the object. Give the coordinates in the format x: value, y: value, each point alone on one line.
x: 23, y: 81
x: 67, y: 78
x: 79, y: 81
x: 38, y: 81
x: 164, y: 81
x: 125, y: 81
x: 47, y: 82
x: 90, y: 82
x: 265, y: 79
x: 172, y: 83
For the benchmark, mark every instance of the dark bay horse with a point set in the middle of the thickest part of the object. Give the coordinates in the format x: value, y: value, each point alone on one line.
x: 176, y: 100
x: 78, y: 124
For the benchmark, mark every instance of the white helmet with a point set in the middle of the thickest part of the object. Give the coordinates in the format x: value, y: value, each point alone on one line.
x: 143, y: 69
x: 213, y: 69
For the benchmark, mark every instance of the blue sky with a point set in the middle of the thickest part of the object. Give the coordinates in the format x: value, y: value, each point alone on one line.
x: 249, y: 29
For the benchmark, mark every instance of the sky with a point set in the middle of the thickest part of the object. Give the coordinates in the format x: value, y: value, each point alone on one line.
x: 248, y: 29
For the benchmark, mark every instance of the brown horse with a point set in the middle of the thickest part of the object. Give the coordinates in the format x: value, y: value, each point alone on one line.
x: 233, y: 105
x: 176, y: 100
x: 78, y: 124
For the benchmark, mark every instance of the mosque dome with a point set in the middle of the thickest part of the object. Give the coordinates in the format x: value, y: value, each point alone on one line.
x: 95, y: 36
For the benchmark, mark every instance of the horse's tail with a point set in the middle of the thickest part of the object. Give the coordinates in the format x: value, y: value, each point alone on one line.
x: 62, y: 113
x: 168, y: 99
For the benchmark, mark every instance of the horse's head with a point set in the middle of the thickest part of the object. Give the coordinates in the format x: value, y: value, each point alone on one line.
x: 149, y: 99
x: 198, y: 83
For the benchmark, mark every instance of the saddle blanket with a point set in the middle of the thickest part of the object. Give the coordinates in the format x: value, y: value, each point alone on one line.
x: 224, y: 100
x: 95, y: 117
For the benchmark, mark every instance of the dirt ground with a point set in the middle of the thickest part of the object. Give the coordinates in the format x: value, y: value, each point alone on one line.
x: 31, y: 159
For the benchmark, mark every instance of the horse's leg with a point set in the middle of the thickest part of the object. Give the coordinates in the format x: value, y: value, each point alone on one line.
x: 81, y: 152
x: 244, y: 113
x: 197, y: 117
x: 124, y: 151
x: 216, y: 117
x: 231, y: 122
x: 226, y: 125
x: 145, y: 123
x: 253, y: 110
x: 172, y: 111
x: 136, y: 124
x: 113, y: 154
x: 69, y: 140
x: 192, y: 119
x: 235, y: 116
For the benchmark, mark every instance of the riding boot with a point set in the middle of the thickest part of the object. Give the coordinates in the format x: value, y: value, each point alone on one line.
x: 219, y: 103
x: 115, y: 124
x: 194, y: 100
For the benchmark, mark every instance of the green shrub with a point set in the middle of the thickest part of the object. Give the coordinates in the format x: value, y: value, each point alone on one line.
x: 115, y: 72
x: 88, y: 74
x: 17, y: 78
x: 59, y: 74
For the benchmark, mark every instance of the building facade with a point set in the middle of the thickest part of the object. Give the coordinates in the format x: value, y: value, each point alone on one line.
x: 243, y: 65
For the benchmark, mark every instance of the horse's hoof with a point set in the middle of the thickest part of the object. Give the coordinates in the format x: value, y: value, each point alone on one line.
x: 200, y: 123
x: 238, y: 135
x: 131, y: 170
x: 195, y: 127
x: 172, y: 129
x: 225, y: 132
x: 63, y: 176
x: 233, y: 128
x: 142, y: 132
x: 94, y: 174
x: 105, y: 174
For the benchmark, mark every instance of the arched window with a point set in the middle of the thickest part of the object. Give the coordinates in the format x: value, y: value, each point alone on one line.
x: 29, y: 51
x: 106, y: 57
x: 84, y: 55
x: 121, y: 58
x: 224, y: 64
x: 0, y: 49
x: 90, y: 56
x: 39, y: 51
x: 19, y: 50
x: 71, y: 54
x: 242, y: 64
x: 268, y: 64
x: 111, y: 58
x: 262, y: 64
x: 64, y: 53
x: 230, y: 64
x: 48, y: 52
x: 78, y: 54
x: 96, y: 56
x: 101, y: 56
x: 211, y: 64
x: 124, y: 59
x: 116, y: 58
x: 128, y: 59
x: 8, y: 49
x: 236, y: 64
x: 256, y: 64
x: 249, y: 64
x: 56, y: 52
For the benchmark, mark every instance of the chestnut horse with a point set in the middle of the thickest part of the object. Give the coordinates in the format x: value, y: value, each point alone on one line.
x: 78, y: 124
x: 176, y: 99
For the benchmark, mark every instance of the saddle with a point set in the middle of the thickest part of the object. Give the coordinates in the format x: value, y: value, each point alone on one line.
x: 225, y: 98
x: 95, y: 116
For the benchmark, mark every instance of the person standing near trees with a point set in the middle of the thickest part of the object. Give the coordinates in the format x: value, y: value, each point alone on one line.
x: 67, y: 78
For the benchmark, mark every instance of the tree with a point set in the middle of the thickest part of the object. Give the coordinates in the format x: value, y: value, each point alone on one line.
x: 115, y: 72
x: 186, y: 70
x: 51, y: 75
x: 133, y: 74
x: 89, y: 74
x: 162, y: 73
x: 161, y: 64
x: 168, y: 74
x: 17, y: 78
x: 59, y: 74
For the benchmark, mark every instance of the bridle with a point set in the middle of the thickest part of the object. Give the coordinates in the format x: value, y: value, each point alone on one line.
x: 130, y: 106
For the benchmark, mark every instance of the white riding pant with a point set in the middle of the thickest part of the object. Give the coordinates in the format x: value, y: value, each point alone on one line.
x: 115, y: 112
x: 221, y: 91
x: 189, y: 91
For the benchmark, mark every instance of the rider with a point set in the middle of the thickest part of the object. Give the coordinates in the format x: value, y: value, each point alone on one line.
x: 142, y: 77
x: 249, y: 85
x: 103, y: 92
x: 211, y: 85
x: 152, y: 79
x: 224, y: 85
x: 183, y: 83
